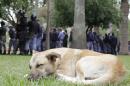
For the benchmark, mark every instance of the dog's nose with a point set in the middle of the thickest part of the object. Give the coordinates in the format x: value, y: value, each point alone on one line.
x: 30, y: 77
x: 33, y: 76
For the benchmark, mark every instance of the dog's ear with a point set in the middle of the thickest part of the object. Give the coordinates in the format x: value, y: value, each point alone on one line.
x: 52, y: 56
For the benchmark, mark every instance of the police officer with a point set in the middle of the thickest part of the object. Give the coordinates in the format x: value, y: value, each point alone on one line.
x: 113, y: 43
x: 33, y: 30
x: 3, y: 38
x: 21, y: 30
x: 65, y: 40
x: 12, y: 41
x: 90, y: 40
x: 53, y: 38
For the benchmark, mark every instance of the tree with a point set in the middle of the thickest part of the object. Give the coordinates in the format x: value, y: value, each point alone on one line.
x: 98, y: 13
x: 101, y: 12
x: 0, y: 10
x: 63, y: 13
x: 9, y: 9
x: 48, y: 25
x: 124, y: 27
x: 79, y: 34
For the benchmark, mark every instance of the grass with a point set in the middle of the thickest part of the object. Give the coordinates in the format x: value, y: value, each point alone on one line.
x: 13, y: 68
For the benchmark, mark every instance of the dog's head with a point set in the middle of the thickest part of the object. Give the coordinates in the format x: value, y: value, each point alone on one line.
x: 42, y: 64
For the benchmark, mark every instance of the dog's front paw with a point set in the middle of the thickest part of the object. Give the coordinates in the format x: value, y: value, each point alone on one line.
x: 60, y: 77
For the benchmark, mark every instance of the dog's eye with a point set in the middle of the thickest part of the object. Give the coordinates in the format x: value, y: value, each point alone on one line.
x: 38, y: 65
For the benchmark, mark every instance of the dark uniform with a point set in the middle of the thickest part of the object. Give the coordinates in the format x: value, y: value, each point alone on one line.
x: 12, y: 41
x: 3, y: 38
x: 33, y: 30
x: 21, y: 31
x: 113, y: 43
x: 53, y: 38
x: 65, y: 40
x: 43, y: 41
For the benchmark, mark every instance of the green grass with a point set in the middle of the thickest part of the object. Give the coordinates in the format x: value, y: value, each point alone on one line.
x: 13, y: 68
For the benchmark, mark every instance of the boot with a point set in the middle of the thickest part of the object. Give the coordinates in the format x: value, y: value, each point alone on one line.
x: 9, y: 52
x: 4, y: 52
x: 0, y: 51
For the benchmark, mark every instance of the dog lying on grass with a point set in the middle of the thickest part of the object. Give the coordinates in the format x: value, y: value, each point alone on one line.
x: 76, y: 66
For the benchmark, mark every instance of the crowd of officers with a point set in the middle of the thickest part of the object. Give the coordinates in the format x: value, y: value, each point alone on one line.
x: 105, y: 44
x: 30, y: 35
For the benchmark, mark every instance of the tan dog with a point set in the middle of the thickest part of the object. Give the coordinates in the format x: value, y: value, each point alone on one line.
x: 76, y: 66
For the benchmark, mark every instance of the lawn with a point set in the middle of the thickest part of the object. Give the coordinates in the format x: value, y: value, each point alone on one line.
x: 14, y: 67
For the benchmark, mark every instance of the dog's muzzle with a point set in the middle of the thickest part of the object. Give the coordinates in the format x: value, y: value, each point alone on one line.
x: 35, y: 76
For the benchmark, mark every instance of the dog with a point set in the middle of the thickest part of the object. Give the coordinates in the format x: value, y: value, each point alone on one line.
x: 76, y: 66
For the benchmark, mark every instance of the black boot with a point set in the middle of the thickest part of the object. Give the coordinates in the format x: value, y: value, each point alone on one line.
x: 31, y: 52
x: 9, y: 52
x: 4, y: 52
x: 26, y: 52
x: 0, y: 51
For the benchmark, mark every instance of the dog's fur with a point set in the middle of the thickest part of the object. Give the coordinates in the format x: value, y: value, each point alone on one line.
x: 77, y: 66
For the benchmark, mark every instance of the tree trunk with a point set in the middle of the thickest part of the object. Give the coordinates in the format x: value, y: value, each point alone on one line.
x: 48, y: 26
x: 51, y: 12
x: 124, y: 27
x: 79, y: 32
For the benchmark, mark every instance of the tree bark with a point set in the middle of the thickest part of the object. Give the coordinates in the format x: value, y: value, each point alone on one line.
x: 79, y: 32
x: 124, y: 27
x: 51, y: 12
x: 48, y: 26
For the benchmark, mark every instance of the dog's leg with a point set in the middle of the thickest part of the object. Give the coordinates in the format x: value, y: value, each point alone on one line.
x: 99, y: 81
x: 67, y: 78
